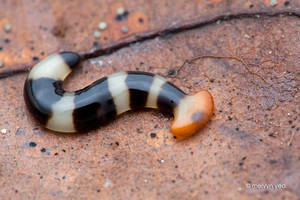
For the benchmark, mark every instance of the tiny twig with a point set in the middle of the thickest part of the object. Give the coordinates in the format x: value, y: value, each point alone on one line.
x: 291, y: 138
x: 221, y: 57
x: 180, y: 27
x: 16, y: 69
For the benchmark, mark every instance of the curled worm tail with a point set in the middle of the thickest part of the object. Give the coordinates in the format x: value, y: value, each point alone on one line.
x: 108, y: 97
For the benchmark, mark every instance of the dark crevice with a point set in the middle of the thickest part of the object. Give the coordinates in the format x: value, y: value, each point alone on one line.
x: 148, y: 35
x: 177, y: 28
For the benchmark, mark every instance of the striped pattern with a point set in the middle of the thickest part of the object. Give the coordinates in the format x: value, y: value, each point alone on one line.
x: 56, y: 66
x: 62, y: 114
x: 119, y: 91
x: 155, y: 89
x: 139, y: 84
x: 96, y: 104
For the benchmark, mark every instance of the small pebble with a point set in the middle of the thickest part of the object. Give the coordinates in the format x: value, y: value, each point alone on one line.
x: 7, y: 28
x: 141, y: 20
x: 273, y: 2
x: 102, y: 25
x: 97, y: 34
x: 32, y: 144
x: 124, y: 29
x: 287, y: 3
x: 1, y: 64
x: 120, y: 11
x: 4, y: 131
x: 108, y: 183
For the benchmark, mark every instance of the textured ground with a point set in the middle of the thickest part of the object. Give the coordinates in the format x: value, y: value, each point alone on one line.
x: 254, y: 137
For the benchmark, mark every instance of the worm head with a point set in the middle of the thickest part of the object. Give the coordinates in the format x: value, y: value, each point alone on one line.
x: 192, y: 113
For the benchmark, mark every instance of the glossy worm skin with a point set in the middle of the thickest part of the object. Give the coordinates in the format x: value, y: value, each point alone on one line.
x: 108, y: 97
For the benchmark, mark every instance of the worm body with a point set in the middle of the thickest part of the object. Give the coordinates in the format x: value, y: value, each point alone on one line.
x: 108, y: 97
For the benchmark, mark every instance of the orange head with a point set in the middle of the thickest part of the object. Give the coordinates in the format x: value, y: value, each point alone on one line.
x: 192, y: 113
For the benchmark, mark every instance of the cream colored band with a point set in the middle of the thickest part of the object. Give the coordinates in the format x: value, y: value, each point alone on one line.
x: 62, y: 114
x: 53, y: 67
x: 119, y: 91
x: 155, y: 89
